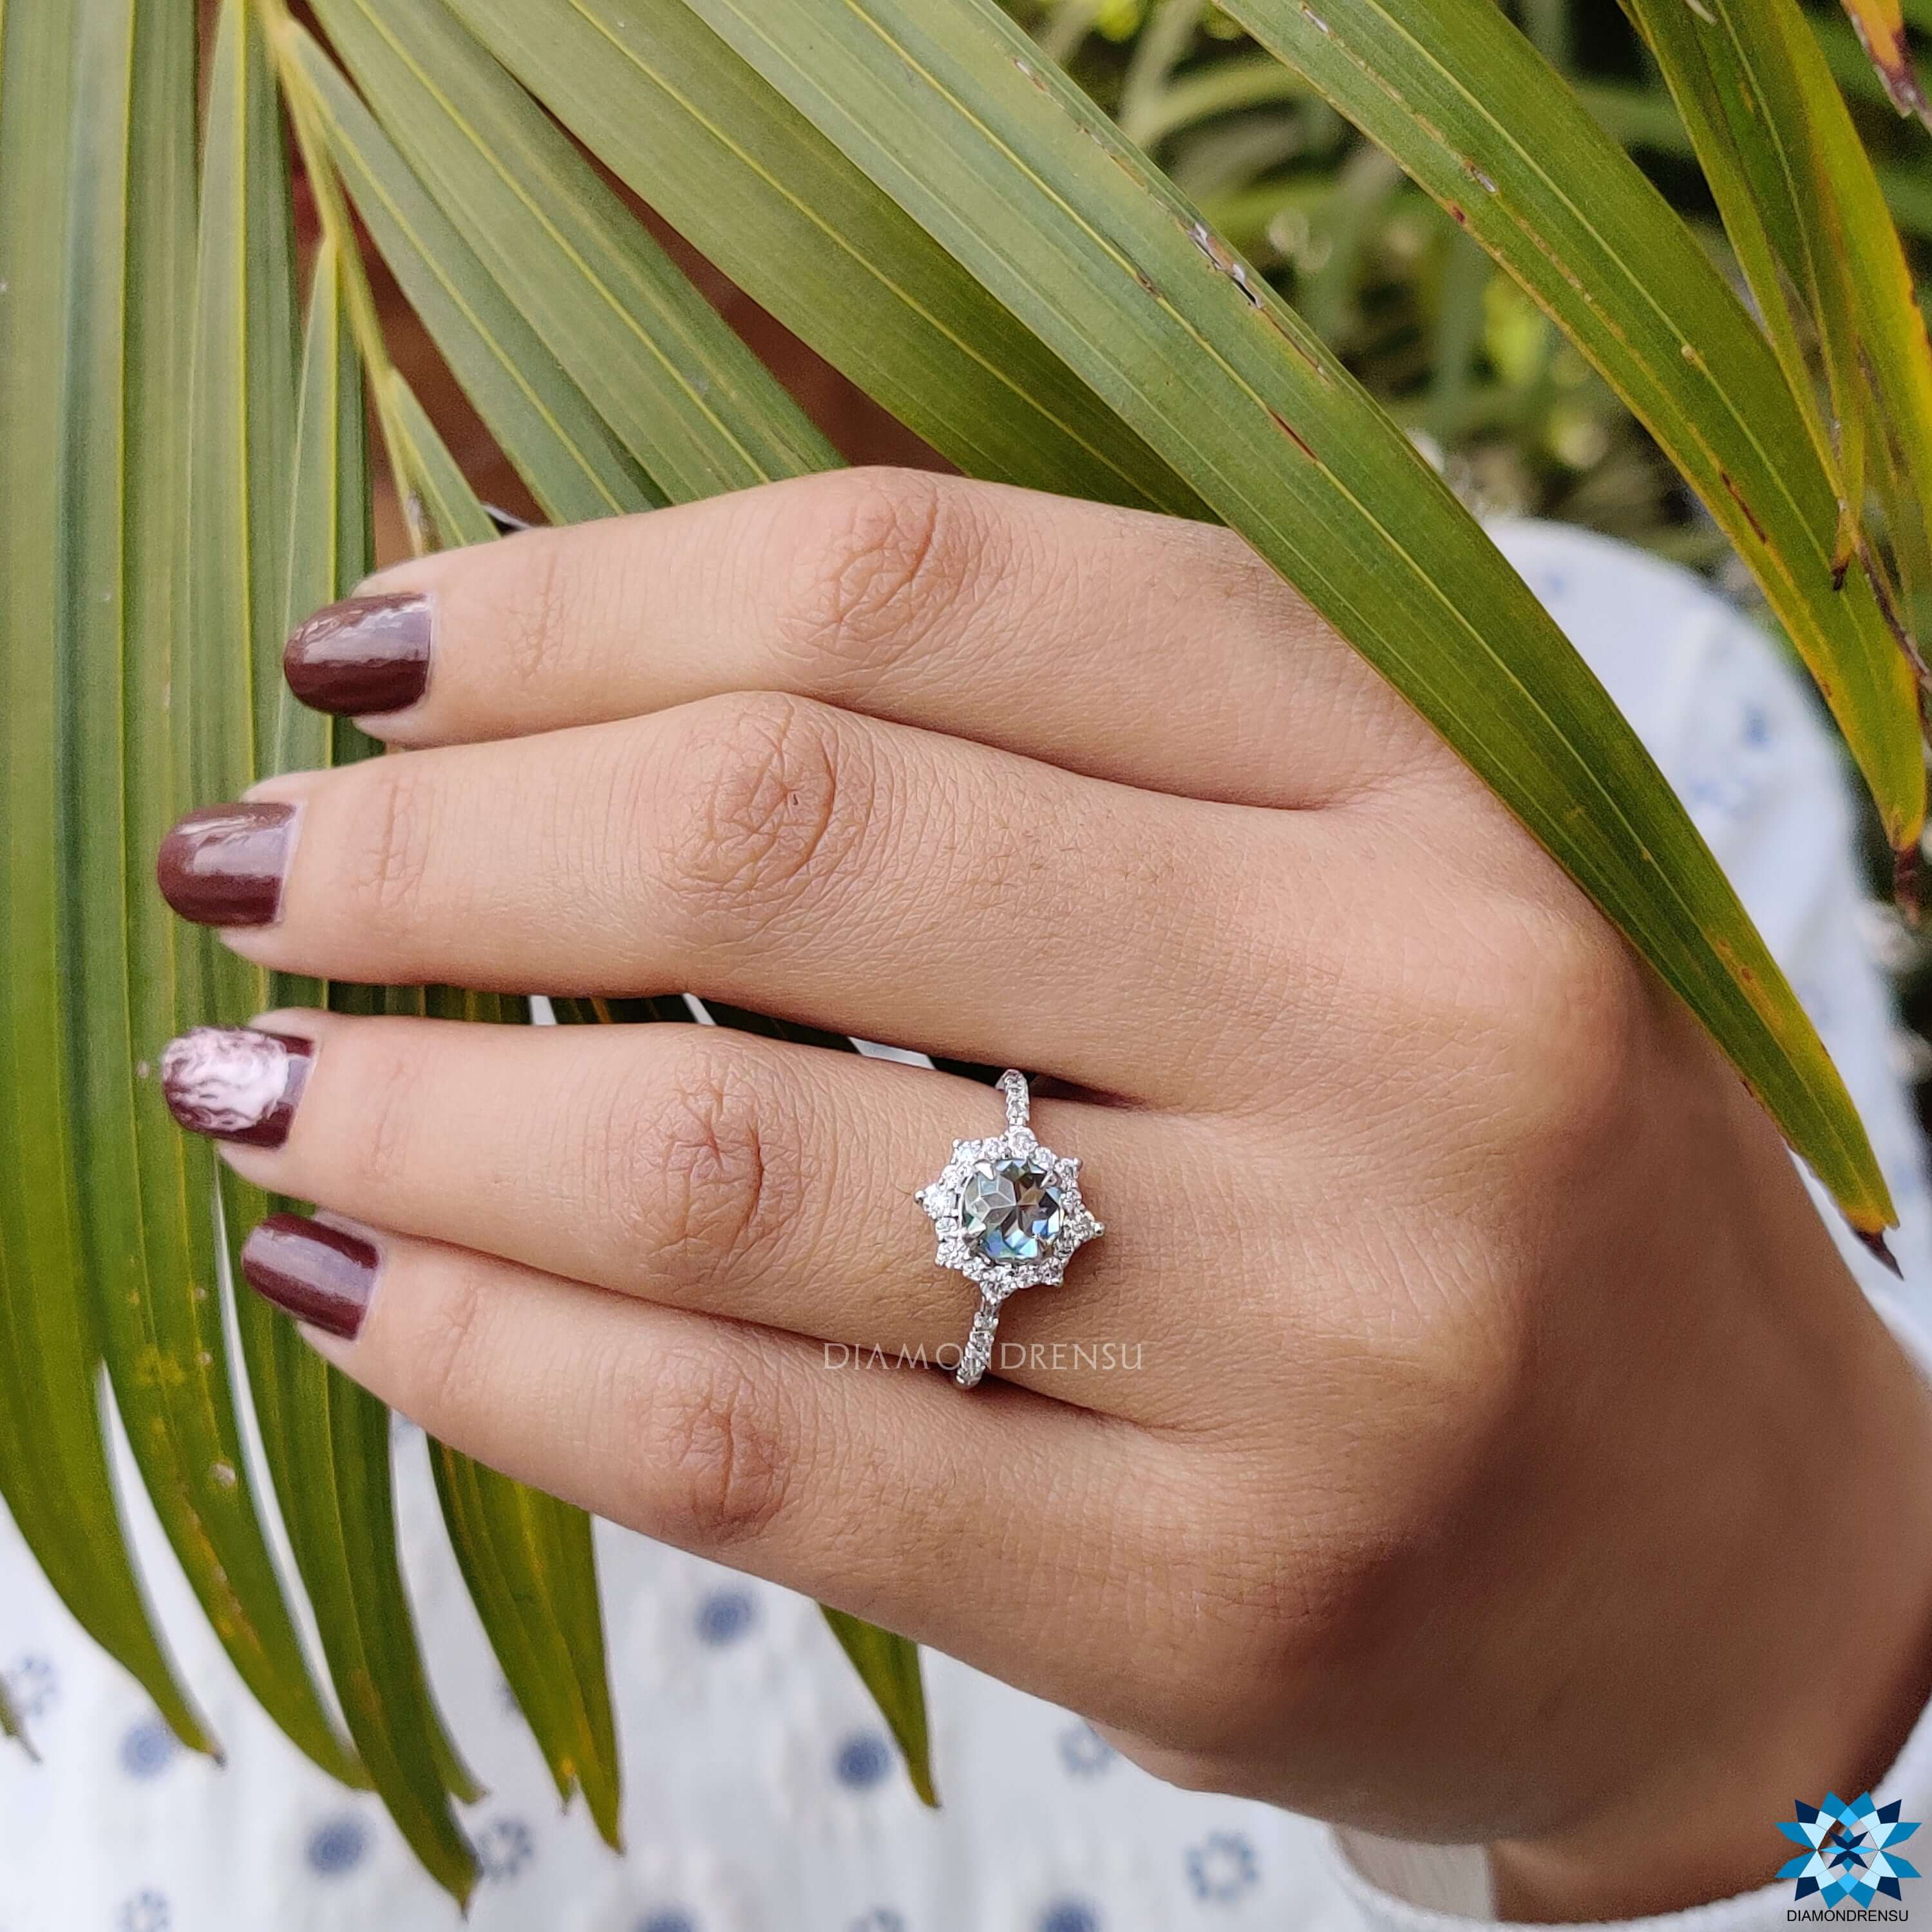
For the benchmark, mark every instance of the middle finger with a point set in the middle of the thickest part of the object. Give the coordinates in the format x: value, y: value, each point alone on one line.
x: 863, y: 877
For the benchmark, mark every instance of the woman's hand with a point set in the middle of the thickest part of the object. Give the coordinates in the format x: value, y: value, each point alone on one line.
x: 1491, y: 1441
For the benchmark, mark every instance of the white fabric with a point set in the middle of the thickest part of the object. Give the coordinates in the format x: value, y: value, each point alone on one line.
x: 761, y: 1792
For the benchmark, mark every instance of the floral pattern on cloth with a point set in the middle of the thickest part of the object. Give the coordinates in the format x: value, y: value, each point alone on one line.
x: 762, y: 1793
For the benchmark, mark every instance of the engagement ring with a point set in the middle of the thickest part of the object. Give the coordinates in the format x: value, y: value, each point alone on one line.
x: 1009, y: 1215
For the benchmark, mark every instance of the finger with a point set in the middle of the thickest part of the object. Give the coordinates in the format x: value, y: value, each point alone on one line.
x: 974, y: 1522
x: 1115, y: 643
x: 725, y: 1174
x: 792, y: 858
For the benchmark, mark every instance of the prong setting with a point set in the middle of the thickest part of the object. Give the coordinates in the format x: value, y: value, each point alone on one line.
x: 1056, y: 1175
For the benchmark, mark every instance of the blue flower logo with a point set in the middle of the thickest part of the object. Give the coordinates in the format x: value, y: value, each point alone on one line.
x: 1849, y: 1850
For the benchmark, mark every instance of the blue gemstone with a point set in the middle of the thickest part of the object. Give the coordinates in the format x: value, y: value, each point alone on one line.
x: 1012, y: 1208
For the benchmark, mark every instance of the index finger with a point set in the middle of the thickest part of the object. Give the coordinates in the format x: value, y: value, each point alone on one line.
x: 1113, y: 643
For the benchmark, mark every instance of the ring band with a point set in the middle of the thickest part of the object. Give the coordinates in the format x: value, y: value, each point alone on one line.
x: 1008, y: 1215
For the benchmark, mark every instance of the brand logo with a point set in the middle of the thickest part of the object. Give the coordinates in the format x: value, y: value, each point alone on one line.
x: 1850, y: 1855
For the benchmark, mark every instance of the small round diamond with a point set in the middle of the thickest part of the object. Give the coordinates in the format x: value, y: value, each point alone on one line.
x: 1012, y: 1209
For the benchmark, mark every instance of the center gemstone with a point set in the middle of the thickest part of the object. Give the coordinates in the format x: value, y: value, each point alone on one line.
x: 1012, y: 1208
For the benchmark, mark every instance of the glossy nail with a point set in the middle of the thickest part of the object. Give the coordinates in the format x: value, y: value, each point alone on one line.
x: 362, y: 657
x: 223, y: 865
x: 236, y: 1083
x: 321, y: 1275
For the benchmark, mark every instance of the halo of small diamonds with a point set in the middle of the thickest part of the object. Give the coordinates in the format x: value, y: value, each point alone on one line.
x: 1059, y: 1174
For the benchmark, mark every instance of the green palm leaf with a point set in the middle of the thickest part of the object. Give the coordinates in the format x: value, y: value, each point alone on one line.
x: 12, y: 1726
x: 540, y: 417
x: 890, y: 1667
x: 1880, y: 310
x: 1778, y: 229
x: 675, y: 115
x: 332, y: 1438
x: 147, y: 1242
x: 54, y: 1472
x: 948, y: 108
x: 1808, y: 216
x: 695, y: 409
x: 441, y: 509
x: 279, y: 508
x: 1474, y: 113
x: 531, y: 1573
x: 527, y: 1558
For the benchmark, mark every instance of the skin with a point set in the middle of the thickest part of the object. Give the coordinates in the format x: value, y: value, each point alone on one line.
x: 1496, y: 1371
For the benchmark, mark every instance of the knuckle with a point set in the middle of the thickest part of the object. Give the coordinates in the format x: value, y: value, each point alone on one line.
x: 1522, y: 1026
x: 1228, y: 1655
x: 533, y: 610
x: 1260, y: 1624
x: 391, y: 835
x: 1243, y: 1656
x: 1443, y: 1364
x: 880, y: 555
x: 716, y: 1447
x: 386, y: 1151
x: 769, y: 798
x: 702, y: 1181
x: 1566, y: 1010
x: 439, y: 1357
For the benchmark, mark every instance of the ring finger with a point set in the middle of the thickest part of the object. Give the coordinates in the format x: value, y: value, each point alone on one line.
x: 720, y: 1173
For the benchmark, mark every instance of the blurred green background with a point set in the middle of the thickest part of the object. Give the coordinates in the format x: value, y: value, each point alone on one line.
x: 1517, y: 420
x: 1449, y: 345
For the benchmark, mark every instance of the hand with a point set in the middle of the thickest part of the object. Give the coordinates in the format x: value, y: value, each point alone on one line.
x: 1472, y: 1458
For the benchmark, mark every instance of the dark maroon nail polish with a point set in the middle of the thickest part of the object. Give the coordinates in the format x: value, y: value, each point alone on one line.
x: 321, y: 1275
x: 236, y: 1083
x: 362, y: 657
x: 224, y: 866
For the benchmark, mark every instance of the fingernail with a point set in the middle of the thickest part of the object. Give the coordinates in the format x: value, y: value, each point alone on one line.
x: 321, y: 1275
x: 362, y: 657
x: 224, y: 866
x: 236, y: 1083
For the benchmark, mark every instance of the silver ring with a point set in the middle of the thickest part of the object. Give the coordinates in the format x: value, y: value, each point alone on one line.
x: 1009, y: 1215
